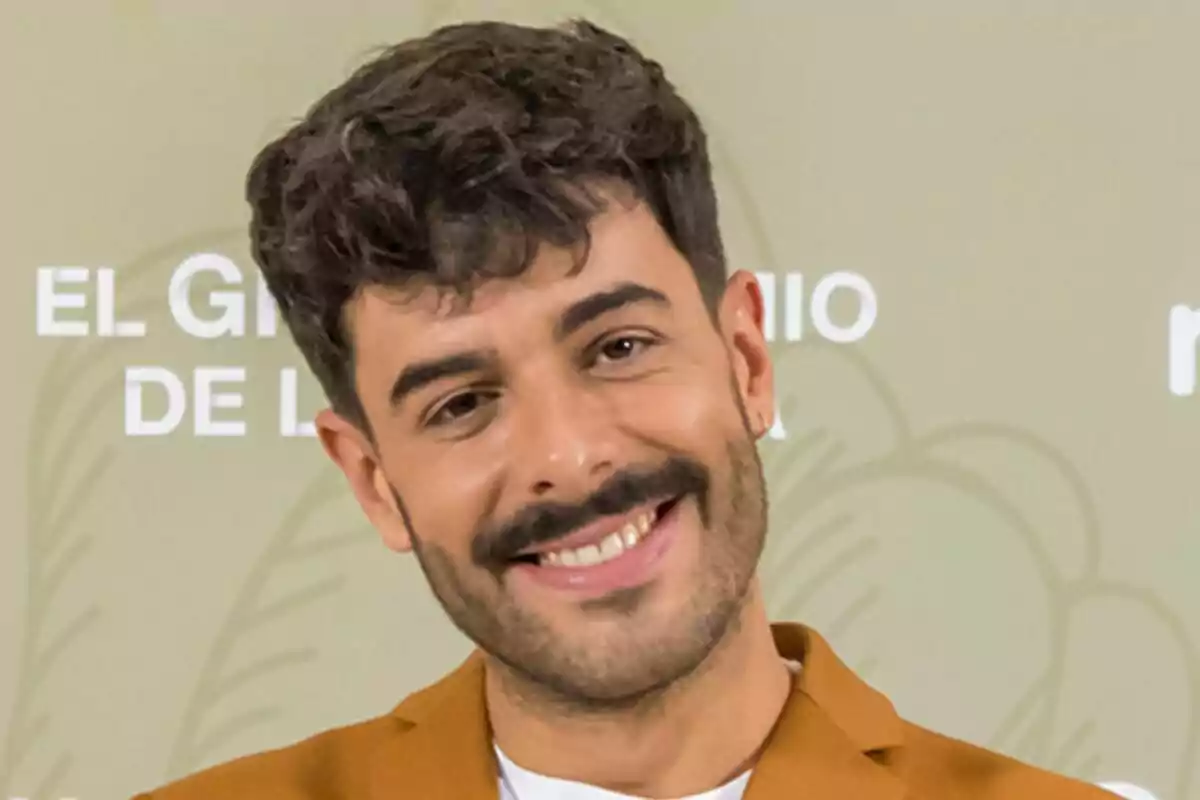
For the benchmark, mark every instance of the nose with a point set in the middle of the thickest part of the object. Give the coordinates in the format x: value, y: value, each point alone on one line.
x: 567, y: 443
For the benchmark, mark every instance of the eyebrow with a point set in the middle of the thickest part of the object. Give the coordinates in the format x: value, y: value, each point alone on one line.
x: 589, y: 308
x: 420, y: 374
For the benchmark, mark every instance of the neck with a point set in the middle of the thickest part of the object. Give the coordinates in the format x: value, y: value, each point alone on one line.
x: 701, y: 733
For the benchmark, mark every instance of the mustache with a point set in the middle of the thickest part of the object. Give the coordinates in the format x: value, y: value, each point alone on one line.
x: 624, y: 491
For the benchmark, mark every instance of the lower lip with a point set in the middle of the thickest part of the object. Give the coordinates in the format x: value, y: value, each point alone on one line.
x: 634, y: 567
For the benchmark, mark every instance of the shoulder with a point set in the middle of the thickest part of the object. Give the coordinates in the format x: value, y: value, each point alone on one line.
x: 935, y: 762
x: 345, y: 762
x: 329, y: 764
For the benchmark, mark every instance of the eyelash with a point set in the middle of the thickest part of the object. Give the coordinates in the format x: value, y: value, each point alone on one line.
x: 431, y: 419
x: 644, y: 340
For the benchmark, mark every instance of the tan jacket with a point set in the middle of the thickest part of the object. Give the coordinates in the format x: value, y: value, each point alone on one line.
x: 838, y: 739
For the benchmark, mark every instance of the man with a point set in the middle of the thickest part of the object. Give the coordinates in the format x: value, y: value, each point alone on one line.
x: 498, y: 249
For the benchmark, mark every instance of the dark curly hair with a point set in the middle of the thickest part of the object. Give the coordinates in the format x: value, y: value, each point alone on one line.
x: 448, y: 158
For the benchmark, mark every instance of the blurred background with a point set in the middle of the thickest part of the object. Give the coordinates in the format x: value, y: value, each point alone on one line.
x: 972, y: 221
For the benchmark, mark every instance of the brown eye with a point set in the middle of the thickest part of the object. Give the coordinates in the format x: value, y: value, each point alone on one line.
x: 621, y: 348
x: 458, y: 407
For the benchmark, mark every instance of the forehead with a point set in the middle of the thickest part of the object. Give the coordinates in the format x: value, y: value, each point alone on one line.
x: 627, y: 245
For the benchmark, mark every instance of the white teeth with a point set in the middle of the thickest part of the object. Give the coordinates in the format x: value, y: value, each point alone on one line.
x: 610, y: 547
x: 588, y: 555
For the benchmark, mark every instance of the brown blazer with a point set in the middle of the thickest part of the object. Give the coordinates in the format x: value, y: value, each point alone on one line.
x: 838, y: 739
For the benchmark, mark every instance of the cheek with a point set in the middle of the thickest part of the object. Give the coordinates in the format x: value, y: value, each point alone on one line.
x: 679, y: 404
x: 446, y: 498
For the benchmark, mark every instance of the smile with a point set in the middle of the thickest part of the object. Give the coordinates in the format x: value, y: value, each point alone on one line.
x: 611, y: 546
x: 616, y: 552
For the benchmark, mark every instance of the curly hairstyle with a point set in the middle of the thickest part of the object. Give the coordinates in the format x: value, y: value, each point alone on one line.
x: 447, y: 159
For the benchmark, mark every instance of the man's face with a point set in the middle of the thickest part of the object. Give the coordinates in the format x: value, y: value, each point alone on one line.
x: 571, y: 457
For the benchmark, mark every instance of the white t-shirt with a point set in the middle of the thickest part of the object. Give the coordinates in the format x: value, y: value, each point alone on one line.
x: 517, y: 783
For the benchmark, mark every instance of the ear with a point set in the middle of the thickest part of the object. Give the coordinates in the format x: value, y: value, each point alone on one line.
x: 741, y: 321
x: 355, y: 455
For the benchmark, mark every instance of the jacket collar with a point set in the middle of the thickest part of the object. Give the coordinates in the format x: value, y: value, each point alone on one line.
x: 831, y: 741
x: 834, y: 734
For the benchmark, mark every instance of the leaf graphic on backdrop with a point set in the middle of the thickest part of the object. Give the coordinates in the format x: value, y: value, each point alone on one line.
x: 1039, y: 480
x: 964, y: 540
x: 1129, y: 702
x: 69, y: 451
x: 293, y: 573
x: 1082, y: 714
x: 1021, y: 733
x: 821, y: 562
x: 836, y: 409
x: 902, y: 545
x: 963, y: 581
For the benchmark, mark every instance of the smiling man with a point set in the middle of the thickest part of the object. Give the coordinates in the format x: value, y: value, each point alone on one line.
x: 498, y: 249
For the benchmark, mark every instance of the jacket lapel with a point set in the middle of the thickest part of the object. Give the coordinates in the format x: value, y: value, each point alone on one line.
x: 440, y: 748
x: 830, y: 734
x: 830, y: 741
